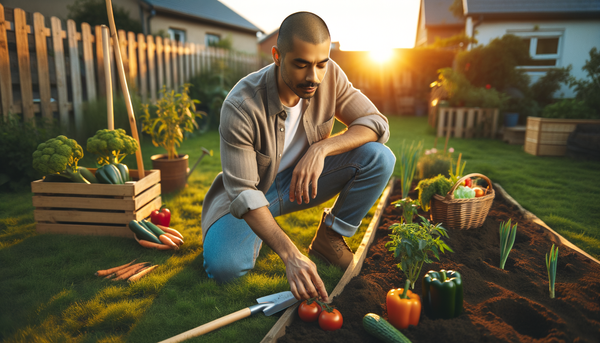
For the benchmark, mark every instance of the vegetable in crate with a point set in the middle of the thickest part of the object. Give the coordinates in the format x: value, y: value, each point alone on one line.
x: 442, y: 294
x: 59, y: 156
x: 403, y: 307
x: 112, y: 146
x: 109, y: 174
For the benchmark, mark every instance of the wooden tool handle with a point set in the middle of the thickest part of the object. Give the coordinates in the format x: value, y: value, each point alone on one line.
x: 208, y: 327
x: 126, y: 95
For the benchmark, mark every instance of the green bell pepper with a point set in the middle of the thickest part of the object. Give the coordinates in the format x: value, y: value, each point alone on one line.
x: 442, y: 294
x: 124, y: 171
x: 109, y: 174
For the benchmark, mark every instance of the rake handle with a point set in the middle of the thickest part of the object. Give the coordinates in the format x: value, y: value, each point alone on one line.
x: 208, y: 327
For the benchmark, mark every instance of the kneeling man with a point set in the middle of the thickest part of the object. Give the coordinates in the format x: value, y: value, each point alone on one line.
x: 278, y: 157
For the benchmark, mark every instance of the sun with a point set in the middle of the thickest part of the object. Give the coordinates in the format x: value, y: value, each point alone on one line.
x: 381, y: 55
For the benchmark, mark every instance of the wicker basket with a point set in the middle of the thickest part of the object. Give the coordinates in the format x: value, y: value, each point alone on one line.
x: 462, y: 213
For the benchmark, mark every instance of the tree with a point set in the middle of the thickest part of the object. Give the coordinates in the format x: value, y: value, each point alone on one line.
x: 94, y: 13
x: 457, y: 9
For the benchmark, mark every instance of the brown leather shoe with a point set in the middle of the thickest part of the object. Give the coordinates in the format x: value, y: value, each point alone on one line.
x: 329, y: 245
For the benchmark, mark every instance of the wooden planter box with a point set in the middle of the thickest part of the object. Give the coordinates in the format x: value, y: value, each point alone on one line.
x: 548, y: 137
x: 467, y: 122
x: 95, y: 209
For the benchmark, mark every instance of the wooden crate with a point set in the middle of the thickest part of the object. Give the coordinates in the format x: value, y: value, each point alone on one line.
x: 95, y: 209
x: 548, y: 137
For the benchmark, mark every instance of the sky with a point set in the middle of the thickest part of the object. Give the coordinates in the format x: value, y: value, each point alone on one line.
x: 357, y: 24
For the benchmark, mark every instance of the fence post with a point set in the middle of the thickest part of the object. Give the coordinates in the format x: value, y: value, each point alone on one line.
x: 151, y: 67
x: 75, y: 75
x: 100, y: 61
x: 160, y: 63
x: 167, y: 50
x: 88, y: 60
x: 41, y: 51
x: 131, y: 55
x: 181, y: 64
x: 193, y: 59
x: 460, y: 122
x: 141, y: 45
x: 174, y: 63
x: 21, y: 31
x: 61, y: 75
x: 6, y: 95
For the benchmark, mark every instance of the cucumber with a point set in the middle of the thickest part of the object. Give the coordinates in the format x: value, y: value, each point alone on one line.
x: 381, y: 329
x: 155, y: 229
x: 142, y: 232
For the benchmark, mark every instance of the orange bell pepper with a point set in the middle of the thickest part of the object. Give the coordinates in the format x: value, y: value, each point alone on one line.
x: 403, y: 307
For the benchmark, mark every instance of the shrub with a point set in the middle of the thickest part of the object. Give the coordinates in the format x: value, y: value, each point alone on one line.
x: 569, y: 109
x: 588, y: 91
x: 434, y: 163
x: 18, y: 141
x: 462, y: 93
x: 544, y: 89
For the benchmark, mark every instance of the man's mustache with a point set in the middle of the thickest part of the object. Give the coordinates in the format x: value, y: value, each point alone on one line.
x: 307, y: 85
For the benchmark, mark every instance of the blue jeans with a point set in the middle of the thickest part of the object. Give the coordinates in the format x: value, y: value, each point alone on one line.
x: 358, y: 176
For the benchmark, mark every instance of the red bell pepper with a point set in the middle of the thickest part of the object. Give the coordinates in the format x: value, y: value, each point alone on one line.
x: 162, y: 217
x: 403, y: 307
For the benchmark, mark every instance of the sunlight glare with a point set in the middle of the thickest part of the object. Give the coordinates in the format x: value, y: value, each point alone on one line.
x: 381, y: 55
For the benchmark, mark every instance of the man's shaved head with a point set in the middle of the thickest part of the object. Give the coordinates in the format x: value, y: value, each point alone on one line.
x: 306, y: 26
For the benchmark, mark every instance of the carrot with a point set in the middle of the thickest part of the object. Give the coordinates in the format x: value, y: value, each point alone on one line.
x: 124, y: 270
x: 112, y: 270
x: 174, y: 238
x: 142, y: 273
x: 131, y: 272
x: 151, y: 245
x: 166, y: 240
x: 171, y: 231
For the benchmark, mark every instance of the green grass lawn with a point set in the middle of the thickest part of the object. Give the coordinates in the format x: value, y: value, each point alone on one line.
x: 50, y: 294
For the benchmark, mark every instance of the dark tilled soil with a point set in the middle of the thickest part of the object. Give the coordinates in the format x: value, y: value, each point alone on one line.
x: 510, y: 305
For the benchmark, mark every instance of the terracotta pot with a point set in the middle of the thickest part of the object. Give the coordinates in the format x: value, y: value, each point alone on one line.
x: 173, y: 173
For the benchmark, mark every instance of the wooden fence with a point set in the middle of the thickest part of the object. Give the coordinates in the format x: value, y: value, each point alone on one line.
x: 469, y: 122
x: 48, y: 72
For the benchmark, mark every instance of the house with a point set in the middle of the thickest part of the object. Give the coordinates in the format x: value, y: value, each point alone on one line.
x: 559, y: 32
x: 436, y: 21
x: 194, y: 21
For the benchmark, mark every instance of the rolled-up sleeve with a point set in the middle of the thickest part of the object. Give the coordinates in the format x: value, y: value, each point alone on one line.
x: 238, y: 159
x: 354, y: 108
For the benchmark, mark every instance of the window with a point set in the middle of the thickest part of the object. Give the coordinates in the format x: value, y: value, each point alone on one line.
x: 544, y: 47
x: 212, y: 39
x: 177, y: 35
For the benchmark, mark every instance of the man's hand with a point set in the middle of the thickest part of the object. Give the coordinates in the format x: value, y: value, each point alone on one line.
x: 306, y: 175
x: 303, y: 278
x: 302, y: 274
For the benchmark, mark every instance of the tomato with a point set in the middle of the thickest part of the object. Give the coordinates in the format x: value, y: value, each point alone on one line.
x: 479, y: 192
x: 330, y: 321
x: 162, y: 217
x: 309, y: 312
x: 468, y: 182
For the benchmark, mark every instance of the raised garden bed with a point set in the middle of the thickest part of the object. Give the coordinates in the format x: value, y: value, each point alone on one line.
x: 510, y: 305
x: 95, y: 209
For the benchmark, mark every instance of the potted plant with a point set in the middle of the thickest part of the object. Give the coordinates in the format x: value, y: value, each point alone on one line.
x: 174, y: 113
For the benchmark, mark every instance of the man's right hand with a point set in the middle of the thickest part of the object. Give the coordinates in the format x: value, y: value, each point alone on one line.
x: 301, y: 272
x: 303, y: 278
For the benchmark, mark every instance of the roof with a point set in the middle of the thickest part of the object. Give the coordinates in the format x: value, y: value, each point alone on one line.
x: 437, y: 13
x: 532, y: 8
x: 207, y: 10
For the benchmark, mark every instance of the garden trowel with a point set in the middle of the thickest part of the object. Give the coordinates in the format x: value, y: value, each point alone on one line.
x: 269, y: 305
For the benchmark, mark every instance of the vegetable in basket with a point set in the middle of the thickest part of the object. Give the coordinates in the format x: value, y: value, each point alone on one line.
x: 112, y: 146
x: 463, y: 192
x: 58, y: 157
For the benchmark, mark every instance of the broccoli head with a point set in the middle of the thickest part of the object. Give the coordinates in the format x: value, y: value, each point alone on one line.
x: 57, y: 155
x: 111, y: 146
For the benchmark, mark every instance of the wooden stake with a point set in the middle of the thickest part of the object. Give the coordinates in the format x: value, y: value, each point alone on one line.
x: 109, y: 93
x: 123, y: 81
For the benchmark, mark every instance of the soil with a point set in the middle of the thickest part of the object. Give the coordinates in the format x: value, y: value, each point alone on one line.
x: 510, y: 305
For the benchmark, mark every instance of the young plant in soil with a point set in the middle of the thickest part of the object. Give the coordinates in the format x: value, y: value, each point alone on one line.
x: 409, y: 207
x: 551, y: 263
x: 409, y: 156
x: 507, y: 239
x: 413, y: 243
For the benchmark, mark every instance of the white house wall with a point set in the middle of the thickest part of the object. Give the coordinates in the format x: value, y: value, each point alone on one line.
x: 578, y: 39
x: 196, y: 32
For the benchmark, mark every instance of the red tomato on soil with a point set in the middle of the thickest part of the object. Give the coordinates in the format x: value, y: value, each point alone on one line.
x: 162, y: 217
x: 309, y: 312
x: 331, y: 321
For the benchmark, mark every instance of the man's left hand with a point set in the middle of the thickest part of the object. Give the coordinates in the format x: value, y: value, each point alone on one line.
x: 306, y: 175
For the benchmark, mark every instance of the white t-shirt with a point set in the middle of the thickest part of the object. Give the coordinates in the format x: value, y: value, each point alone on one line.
x: 295, y: 136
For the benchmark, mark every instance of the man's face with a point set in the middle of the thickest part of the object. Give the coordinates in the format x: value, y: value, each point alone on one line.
x: 303, y: 68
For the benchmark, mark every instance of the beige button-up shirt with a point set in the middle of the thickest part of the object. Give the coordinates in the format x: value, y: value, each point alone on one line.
x: 252, y: 135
